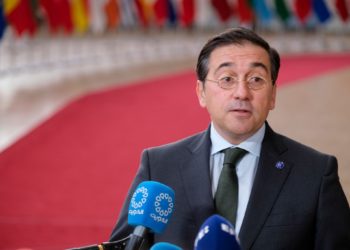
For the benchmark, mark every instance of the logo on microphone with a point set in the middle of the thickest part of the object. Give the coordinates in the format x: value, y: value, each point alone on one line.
x: 164, y: 206
x: 164, y: 197
x: 138, y: 199
x: 202, y: 232
x: 228, y: 229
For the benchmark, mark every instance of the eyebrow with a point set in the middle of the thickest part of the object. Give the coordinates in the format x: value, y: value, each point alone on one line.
x: 259, y: 65
x: 252, y: 65
x: 223, y: 65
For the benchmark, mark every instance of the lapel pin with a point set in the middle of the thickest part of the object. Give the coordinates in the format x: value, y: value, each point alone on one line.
x: 280, y: 165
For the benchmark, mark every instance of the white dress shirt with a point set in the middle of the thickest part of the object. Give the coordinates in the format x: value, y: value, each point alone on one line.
x: 246, y: 167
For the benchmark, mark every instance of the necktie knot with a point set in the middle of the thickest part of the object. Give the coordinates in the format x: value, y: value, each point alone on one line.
x: 233, y: 155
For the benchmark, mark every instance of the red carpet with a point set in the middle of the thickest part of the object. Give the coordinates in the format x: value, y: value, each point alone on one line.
x: 63, y: 184
x: 294, y: 68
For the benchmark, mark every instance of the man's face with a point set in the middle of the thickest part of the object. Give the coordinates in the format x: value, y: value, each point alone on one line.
x: 239, y: 112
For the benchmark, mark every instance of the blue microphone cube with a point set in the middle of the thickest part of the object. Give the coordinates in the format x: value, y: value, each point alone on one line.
x: 165, y: 246
x: 216, y: 233
x: 151, y: 206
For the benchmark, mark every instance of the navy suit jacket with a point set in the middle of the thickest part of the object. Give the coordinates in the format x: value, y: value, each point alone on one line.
x: 299, y: 206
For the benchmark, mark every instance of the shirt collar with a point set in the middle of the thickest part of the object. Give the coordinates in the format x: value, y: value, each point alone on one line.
x: 252, y: 144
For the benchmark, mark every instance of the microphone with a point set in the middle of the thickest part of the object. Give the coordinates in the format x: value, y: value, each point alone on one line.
x: 114, y: 245
x: 216, y: 233
x: 165, y: 246
x: 150, y: 209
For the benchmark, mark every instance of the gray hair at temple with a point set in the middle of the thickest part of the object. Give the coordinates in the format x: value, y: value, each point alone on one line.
x: 236, y: 36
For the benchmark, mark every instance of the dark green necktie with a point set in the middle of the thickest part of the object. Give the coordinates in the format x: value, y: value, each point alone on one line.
x: 226, y: 197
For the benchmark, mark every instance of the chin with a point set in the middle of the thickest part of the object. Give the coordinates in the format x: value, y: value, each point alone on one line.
x: 239, y: 127
x: 241, y: 131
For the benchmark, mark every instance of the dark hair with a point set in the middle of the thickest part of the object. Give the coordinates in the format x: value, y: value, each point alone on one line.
x: 236, y: 36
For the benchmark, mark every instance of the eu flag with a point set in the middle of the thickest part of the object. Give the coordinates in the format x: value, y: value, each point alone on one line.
x: 321, y: 10
x: 2, y: 21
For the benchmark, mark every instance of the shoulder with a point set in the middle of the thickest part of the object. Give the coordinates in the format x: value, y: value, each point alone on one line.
x: 284, y: 144
x: 189, y: 143
x: 162, y: 162
x: 298, y: 154
x: 300, y: 149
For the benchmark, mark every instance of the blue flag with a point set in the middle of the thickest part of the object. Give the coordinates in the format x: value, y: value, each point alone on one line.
x: 262, y: 11
x: 172, y: 17
x: 2, y: 20
x: 321, y: 10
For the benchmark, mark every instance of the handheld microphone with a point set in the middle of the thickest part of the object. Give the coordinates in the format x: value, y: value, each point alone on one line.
x: 165, y: 246
x: 150, y: 209
x: 114, y: 245
x: 216, y: 233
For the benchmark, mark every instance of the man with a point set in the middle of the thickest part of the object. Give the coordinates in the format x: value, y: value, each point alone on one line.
x: 289, y: 195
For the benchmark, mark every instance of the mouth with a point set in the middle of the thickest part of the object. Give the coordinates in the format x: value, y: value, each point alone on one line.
x: 240, y: 109
x: 241, y: 112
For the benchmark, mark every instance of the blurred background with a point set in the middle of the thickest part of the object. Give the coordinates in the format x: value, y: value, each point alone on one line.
x: 57, y: 54
x: 52, y: 51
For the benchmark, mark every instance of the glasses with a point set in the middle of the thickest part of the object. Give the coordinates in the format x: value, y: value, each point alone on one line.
x: 229, y: 82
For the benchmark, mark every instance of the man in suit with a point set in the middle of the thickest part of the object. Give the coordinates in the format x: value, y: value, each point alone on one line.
x: 289, y: 195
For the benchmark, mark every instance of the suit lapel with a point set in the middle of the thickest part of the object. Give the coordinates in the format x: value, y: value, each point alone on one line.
x: 196, y: 178
x: 267, y: 185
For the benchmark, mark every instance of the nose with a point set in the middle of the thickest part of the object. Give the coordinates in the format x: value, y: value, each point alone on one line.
x: 241, y: 91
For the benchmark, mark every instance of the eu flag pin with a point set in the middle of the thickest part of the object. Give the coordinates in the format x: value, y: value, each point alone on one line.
x: 280, y: 165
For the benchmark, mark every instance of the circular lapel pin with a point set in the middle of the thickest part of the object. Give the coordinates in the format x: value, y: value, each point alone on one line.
x: 280, y: 165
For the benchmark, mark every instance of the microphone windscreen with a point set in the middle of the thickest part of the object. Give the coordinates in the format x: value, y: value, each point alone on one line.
x: 151, y: 206
x: 216, y: 233
x: 165, y: 246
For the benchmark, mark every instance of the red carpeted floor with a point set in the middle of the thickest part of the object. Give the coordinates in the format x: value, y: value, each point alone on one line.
x: 63, y: 184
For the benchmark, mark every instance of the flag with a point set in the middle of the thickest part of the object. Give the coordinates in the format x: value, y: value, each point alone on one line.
x: 98, y: 19
x: 262, y: 11
x: 19, y: 16
x: 245, y: 12
x: 128, y: 15
x: 187, y: 12
x: 172, y: 12
x: 64, y: 16
x: 79, y: 12
x: 57, y: 14
x: 223, y: 9
x: 145, y: 11
x: 342, y: 9
x: 50, y: 14
x: 282, y: 10
x: 112, y: 14
x: 321, y: 10
x: 2, y: 20
x: 303, y: 9
x: 205, y: 14
x: 34, y: 7
x: 160, y: 8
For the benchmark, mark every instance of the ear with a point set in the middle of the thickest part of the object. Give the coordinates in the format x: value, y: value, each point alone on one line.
x: 273, y: 97
x: 201, y: 93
